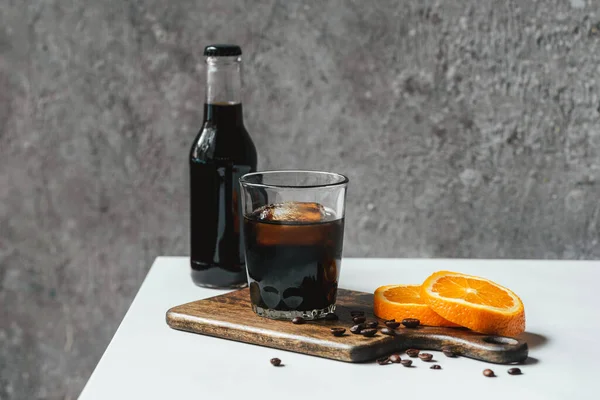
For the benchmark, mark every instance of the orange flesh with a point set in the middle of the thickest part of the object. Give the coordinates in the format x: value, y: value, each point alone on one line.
x: 473, y: 291
x: 404, y: 295
x: 405, y: 301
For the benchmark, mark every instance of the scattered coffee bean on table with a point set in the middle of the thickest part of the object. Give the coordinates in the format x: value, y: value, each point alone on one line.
x: 298, y: 320
x: 372, y: 324
x: 412, y: 352
x: 435, y: 366
x: 406, y: 363
x: 426, y: 356
x: 388, y: 331
x: 369, y: 332
x: 338, y: 331
x: 514, y: 371
x: 489, y: 373
x: 359, y: 320
x: 331, y: 317
x: 395, y: 358
x: 411, y: 322
x: 392, y: 324
x: 357, y: 313
x: 276, y: 362
x: 356, y: 329
x: 383, y: 361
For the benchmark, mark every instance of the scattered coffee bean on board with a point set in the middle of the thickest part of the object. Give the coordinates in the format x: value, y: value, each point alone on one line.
x: 298, y: 320
x: 359, y: 320
x: 276, y: 362
x: 426, y: 356
x: 356, y: 329
x: 411, y: 322
x: 449, y: 353
x: 331, y: 317
x: 388, y: 331
x: 338, y: 331
x: 395, y: 358
x: 383, y: 361
x: 489, y: 373
x: 392, y: 324
x: 435, y: 366
x: 514, y: 371
x: 369, y: 332
x: 412, y: 352
x: 372, y: 324
x: 406, y: 363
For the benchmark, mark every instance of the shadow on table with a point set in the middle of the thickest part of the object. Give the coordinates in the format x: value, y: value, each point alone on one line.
x: 533, y: 340
x: 530, y: 361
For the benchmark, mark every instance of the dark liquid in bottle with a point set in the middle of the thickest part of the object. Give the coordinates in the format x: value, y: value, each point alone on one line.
x: 293, y: 265
x: 220, y: 155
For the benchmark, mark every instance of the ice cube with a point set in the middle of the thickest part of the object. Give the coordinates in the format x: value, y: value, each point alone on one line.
x: 270, y: 296
x: 292, y: 211
x: 291, y: 234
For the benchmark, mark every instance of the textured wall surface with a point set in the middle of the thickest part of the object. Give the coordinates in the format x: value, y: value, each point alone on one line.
x: 468, y: 129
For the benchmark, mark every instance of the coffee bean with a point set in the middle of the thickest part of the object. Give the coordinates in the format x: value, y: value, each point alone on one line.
x: 369, y: 332
x: 389, y: 320
x: 448, y: 352
x: 356, y: 329
x: 331, y: 317
x: 388, y: 331
x: 435, y: 366
x: 357, y: 313
x: 411, y: 322
x: 426, y: 356
x: 514, y: 371
x: 372, y: 324
x: 359, y: 320
x: 392, y: 324
x: 383, y: 361
x: 276, y: 362
x: 338, y: 331
x: 489, y: 373
x: 406, y: 363
x: 412, y: 353
x: 298, y: 320
x: 395, y: 358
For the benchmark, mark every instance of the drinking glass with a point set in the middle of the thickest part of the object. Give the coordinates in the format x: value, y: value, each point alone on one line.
x: 293, y: 236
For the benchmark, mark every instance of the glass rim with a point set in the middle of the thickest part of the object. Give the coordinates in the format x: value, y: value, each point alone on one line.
x: 343, y: 180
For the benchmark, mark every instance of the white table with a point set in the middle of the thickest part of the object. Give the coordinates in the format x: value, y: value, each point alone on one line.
x: 148, y: 360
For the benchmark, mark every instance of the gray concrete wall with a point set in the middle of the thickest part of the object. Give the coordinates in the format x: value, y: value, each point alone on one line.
x: 468, y: 129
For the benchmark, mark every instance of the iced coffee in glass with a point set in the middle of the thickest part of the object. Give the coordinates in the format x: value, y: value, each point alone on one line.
x: 293, y: 237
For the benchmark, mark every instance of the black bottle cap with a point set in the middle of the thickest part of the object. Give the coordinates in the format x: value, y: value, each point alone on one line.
x: 222, y: 50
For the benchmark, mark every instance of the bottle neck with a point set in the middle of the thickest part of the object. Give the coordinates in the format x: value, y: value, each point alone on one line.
x: 223, y: 80
x: 224, y: 115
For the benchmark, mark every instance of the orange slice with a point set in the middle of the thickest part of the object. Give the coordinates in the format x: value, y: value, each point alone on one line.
x: 404, y: 301
x: 476, y: 303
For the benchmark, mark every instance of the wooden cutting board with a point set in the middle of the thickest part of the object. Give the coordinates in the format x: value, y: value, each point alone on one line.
x: 230, y: 316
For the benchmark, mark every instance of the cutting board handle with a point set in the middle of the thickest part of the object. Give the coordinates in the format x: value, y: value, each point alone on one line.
x: 490, y: 348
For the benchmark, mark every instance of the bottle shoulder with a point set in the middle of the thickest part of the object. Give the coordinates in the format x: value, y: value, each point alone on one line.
x: 214, y: 143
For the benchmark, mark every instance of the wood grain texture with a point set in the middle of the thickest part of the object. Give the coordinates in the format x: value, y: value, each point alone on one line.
x: 230, y: 316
